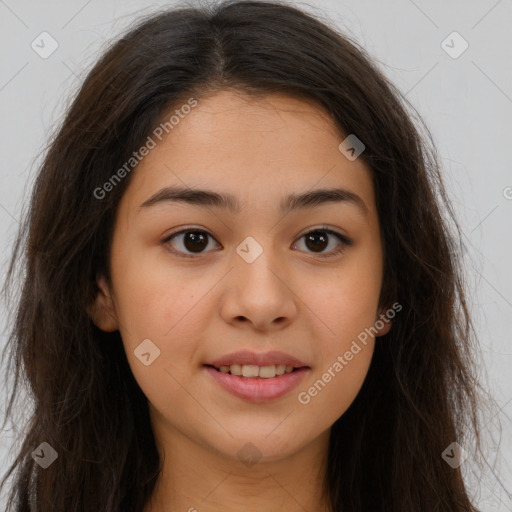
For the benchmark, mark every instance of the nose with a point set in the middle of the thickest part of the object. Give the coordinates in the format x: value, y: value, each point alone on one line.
x: 260, y: 294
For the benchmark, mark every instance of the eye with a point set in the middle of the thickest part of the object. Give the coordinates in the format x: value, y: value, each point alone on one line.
x: 318, y: 239
x: 196, y: 241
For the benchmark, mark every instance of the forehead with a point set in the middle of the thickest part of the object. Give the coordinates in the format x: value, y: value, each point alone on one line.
x: 257, y: 149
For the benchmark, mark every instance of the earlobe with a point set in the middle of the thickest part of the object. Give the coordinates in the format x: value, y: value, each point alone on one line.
x: 102, y: 311
x: 383, y: 324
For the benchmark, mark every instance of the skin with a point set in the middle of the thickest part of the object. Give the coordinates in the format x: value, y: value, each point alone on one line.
x: 200, y: 308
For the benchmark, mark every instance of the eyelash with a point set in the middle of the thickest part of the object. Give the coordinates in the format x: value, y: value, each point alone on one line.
x: 323, y: 229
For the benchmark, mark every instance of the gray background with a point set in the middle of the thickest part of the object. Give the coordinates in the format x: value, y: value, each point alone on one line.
x: 465, y: 101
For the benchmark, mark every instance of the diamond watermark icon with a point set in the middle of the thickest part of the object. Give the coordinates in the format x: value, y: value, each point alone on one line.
x: 44, y: 455
x: 454, y: 45
x: 44, y: 45
x: 249, y: 454
x: 454, y: 455
x: 249, y: 250
x: 146, y: 352
x: 351, y: 147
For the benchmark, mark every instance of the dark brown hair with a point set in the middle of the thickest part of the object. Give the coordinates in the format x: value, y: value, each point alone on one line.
x: 420, y: 394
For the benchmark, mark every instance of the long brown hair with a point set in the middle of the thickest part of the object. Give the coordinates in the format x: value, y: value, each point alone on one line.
x: 421, y: 392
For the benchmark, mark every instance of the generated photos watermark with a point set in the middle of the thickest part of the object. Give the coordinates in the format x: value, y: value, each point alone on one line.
x: 304, y: 397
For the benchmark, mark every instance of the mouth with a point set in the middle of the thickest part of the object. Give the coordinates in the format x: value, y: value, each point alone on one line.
x: 257, y: 384
x: 251, y: 371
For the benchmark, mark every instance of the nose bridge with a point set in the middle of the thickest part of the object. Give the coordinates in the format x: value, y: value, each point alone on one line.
x: 261, y: 292
x: 259, y: 263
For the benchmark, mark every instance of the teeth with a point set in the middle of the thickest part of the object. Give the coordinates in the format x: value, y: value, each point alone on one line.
x: 250, y: 370
x: 267, y: 372
x: 235, y: 369
x: 253, y: 371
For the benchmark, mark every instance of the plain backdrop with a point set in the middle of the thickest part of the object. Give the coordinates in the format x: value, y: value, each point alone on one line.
x: 464, y: 97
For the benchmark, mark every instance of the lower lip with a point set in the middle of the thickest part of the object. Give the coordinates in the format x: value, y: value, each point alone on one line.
x: 258, y: 389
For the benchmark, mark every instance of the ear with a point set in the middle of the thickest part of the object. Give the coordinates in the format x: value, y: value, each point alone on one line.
x: 383, y: 323
x: 102, y: 311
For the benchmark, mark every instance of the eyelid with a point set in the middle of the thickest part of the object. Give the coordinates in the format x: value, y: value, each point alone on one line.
x: 345, y: 241
x: 327, y: 229
x: 181, y: 231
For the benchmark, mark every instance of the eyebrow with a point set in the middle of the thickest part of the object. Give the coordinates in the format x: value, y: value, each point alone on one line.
x: 207, y: 198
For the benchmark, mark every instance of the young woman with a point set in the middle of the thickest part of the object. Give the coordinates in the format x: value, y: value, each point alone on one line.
x: 240, y: 283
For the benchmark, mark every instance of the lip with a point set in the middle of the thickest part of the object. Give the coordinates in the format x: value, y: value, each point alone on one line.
x: 246, y: 357
x: 258, y: 389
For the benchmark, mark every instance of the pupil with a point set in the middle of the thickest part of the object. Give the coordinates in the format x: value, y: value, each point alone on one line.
x: 314, y: 237
x: 195, y: 241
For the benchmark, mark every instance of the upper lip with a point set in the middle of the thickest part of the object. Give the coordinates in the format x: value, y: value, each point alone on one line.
x: 246, y: 357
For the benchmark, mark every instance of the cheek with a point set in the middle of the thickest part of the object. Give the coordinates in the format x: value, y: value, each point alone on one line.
x: 347, y: 309
x: 345, y: 349
x: 151, y: 305
x: 346, y: 303
x: 334, y: 387
x: 153, y: 297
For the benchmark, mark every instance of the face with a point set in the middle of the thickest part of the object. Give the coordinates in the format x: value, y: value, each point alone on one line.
x: 199, y: 281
